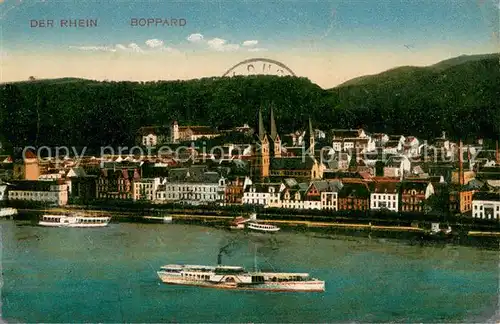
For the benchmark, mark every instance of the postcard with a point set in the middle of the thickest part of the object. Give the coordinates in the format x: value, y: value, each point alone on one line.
x: 211, y: 161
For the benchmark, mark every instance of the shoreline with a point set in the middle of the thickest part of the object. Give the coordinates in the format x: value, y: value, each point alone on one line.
x: 462, y: 236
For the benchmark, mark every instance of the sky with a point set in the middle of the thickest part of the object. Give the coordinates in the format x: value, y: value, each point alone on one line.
x: 327, y: 41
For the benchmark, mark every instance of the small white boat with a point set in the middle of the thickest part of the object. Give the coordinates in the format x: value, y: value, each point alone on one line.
x: 77, y: 220
x: 158, y: 219
x: 258, y: 227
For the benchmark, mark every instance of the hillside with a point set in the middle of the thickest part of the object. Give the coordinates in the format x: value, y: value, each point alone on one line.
x: 461, y: 97
x: 405, y: 72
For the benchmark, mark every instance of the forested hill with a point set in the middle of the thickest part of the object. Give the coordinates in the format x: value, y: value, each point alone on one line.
x: 462, y: 98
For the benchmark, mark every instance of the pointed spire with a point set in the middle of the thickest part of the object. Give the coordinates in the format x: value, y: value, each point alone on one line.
x: 274, y: 132
x: 311, y: 131
x: 262, y: 131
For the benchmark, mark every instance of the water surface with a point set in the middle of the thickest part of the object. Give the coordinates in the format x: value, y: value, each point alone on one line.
x: 108, y: 275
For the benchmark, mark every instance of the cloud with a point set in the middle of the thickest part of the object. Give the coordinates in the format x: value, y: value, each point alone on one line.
x: 169, y: 49
x: 94, y: 48
x: 257, y: 49
x: 250, y: 43
x: 132, y: 47
x: 220, y: 45
x: 154, y: 43
x: 135, y: 48
x: 195, y: 38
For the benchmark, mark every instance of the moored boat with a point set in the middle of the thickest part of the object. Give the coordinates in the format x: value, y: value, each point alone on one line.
x: 158, y: 219
x: 259, y: 227
x: 76, y: 220
x: 238, y: 223
x: 235, y: 277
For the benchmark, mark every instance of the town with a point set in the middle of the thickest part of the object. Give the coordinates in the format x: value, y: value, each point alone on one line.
x: 336, y: 170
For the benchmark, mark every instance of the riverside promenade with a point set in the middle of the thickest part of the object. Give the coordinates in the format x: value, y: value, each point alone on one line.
x: 304, y: 221
x: 221, y: 220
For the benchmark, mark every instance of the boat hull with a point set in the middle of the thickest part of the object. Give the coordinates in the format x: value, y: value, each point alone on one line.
x: 49, y: 224
x: 289, y: 286
x: 258, y: 229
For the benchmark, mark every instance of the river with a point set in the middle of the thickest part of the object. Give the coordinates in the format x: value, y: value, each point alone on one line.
x: 109, y: 275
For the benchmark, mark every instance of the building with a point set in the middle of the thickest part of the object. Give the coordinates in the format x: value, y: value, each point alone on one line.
x: 486, y: 205
x: 49, y: 192
x: 329, y: 195
x: 191, y: 133
x: 294, y: 197
x: 380, y: 139
x: 145, y: 189
x: 152, y: 136
x: 263, y: 194
x: 460, y: 194
x: 411, y: 146
x: 83, y: 188
x: 193, y: 186
x: 26, y: 166
x: 117, y: 183
x: 303, y: 168
x: 354, y: 196
x: 460, y: 199
x: 385, y: 196
x: 235, y: 189
x: 414, y: 193
x: 397, y: 167
x: 392, y: 147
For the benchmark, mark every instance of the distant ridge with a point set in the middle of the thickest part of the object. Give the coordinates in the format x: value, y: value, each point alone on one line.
x: 460, y: 96
x: 409, y: 71
x: 52, y: 81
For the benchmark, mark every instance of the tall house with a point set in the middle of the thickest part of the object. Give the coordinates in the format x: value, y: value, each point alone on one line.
x: 26, y: 166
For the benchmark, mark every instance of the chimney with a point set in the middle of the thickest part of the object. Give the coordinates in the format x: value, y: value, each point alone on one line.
x: 460, y: 168
x: 444, y: 135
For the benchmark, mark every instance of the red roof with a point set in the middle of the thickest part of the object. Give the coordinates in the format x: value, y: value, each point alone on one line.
x: 29, y: 155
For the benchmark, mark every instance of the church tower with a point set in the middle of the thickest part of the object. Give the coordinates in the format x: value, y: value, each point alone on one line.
x: 261, y: 155
x: 275, y: 138
x: 309, y: 146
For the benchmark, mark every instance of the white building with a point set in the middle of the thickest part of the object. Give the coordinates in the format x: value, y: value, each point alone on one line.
x: 263, y: 194
x: 411, y: 146
x: 329, y: 196
x: 205, y: 188
x: 385, y: 195
x: 145, y: 189
x: 51, y: 192
x: 397, y: 167
x: 486, y: 205
x: 50, y: 176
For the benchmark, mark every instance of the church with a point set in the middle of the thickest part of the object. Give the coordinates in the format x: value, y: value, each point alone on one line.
x: 270, y: 162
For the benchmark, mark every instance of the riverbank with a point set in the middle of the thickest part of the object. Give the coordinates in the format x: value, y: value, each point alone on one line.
x: 417, y: 231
